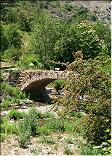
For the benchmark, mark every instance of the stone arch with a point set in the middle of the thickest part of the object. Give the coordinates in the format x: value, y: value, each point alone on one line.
x: 36, y: 87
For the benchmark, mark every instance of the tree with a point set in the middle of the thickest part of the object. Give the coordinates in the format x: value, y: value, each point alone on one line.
x: 90, y: 92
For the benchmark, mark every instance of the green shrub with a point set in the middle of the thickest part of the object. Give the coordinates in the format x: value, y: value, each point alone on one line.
x: 59, y: 84
x: 12, y: 91
x: 6, y: 103
x: 28, y: 126
x: 103, y: 31
x: 33, y: 116
x: 30, y: 61
x: 70, y: 127
x: 12, y: 37
x: 23, y: 132
x: 57, y: 125
x: 48, y: 115
x: 51, y: 125
x: 12, y: 95
x: 95, y: 128
x: 14, y: 114
x: 87, y: 149
x: 12, y: 54
x: 75, y: 114
x: 8, y: 128
x: 2, y: 137
x: 93, y: 86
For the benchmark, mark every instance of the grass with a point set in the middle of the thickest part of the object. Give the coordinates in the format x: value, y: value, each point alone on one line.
x: 87, y: 149
x: 69, y: 140
x: 25, y: 127
x: 53, y: 125
x: 46, y: 140
x: 35, y: 151
x: 68, y: 151
x: 14, y: 114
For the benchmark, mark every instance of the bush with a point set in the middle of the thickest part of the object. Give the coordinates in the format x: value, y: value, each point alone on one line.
x: 12, y: 36
x: 90, y: 93
x: 57, y: 125
x: 23, y: 131
x: 87, y: 149
x: 2, y: 137
x: 14, y: 114
x: 30, y: 61
x: 28, y: 127
x: 12, y: 91
x: 33, y: 116
x: 87, y: 40
x: 103, y: 31
x: 6, y: 103
x: 47, y: 115
x: 8, y: 128
x: 11, y: 94
x: 52, y: 125
x: 59, y: 84
x: 94, y: 128
x: 12, y: 54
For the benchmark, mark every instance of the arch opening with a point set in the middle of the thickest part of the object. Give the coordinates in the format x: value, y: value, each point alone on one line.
x: 37, y: 91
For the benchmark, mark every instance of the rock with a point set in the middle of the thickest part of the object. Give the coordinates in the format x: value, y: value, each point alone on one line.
x: 12, y: 121
x: 31, y: 65
x: 24, y: 107
x: 3, y: 113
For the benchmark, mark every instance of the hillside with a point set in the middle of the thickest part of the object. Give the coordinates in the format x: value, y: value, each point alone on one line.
x: 99, y: 8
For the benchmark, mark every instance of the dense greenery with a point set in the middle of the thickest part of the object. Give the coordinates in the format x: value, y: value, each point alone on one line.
x: 33, y: 36
x: 11, y: 95
x: 90, y: 92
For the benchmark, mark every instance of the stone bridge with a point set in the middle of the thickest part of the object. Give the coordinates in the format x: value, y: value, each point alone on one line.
x: 35, y: 81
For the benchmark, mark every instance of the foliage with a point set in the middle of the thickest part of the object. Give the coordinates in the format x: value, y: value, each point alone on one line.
x: 45, y: 32
x: 12, y: 91
x: 14, y: 114
x: 28, y: 127
x: 12, y: 54
x: 2, y: 137
x: 90, y: 92
x: 58, y: 84
x: 105, y: 147
x: 78, y: 36
x: 8, y: 128
x: 58, y: 125
x: 103, y: 32
x: 82, y: 13
x: 30, y: 61
x: 87, y: 40
x: 69, y: 140
x: 87, y: 149
x: 34, y: 29
x: 23, y: 131
x: 11, y: 36
x: 47, y: 115
x: 6, y: 103
x: 11, y: 94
